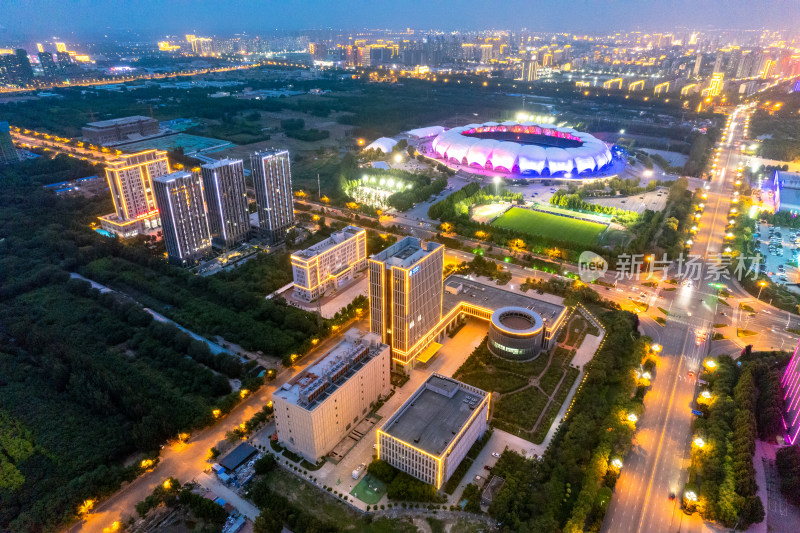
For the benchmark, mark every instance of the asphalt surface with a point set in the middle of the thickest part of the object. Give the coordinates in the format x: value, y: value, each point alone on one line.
x: 657, y: 464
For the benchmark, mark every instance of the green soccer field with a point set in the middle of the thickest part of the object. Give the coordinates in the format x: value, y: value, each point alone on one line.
x: 550, y: 226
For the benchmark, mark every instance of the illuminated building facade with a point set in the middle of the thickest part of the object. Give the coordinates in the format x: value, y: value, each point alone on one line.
x: 272, y: 180
x: 226, y: 199
x: 48, y: 64
x: 791, y: 399
x: 516, y: 333
x: 330, y: 263
x: 716, y: 84
x: 130, y: 179
x: 316, y: 409
x: 183, y: 216
x: 405, y: 293
x: 431, y: 433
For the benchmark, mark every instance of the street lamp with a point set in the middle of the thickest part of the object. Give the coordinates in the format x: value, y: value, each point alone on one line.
x: 632, y: 418
x: 762, y: 284
x: 699, y: 442
x: 705, y: 394
x: 616, y: 463
x: 656, y: 348
x: 497, y: 185
x: 710, y: 364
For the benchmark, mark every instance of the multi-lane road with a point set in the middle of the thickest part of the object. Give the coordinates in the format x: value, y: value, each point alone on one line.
x: 656, y: 467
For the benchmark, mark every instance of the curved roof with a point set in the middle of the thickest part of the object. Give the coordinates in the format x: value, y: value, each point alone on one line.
x: 430, y: 131
x: 383, y: 144
x: 510, y: 156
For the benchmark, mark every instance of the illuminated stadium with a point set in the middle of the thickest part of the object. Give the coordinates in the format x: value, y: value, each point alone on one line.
x: 522, y: 148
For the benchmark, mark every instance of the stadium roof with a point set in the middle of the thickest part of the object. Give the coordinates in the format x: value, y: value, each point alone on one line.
x: 422, y: 133
x: 522, y: 147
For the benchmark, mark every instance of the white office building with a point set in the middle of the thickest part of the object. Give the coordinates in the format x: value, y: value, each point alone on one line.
x: 329, y: 264
x: 320, y: 406
x: 431, y: 433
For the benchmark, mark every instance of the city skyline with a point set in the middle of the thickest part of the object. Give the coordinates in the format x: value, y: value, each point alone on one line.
x: 96, y: 18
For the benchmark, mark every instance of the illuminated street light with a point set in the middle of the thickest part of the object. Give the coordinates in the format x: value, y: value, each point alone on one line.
x: 690, y: 496
x: 762, y: 284
x: 656, y: 348
x: 700, y: 443
x: 632, y: 418
x: 710, y: 364
x: 616, y: 463
x: 705, y: 394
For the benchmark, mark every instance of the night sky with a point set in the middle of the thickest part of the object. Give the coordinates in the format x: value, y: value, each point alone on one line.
x: 39, y: 18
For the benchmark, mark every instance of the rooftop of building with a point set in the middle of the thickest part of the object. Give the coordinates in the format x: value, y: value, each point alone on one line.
x: 119, y: 121
x: 788, y: 180
x: 494, y: 297
x: 434, y: 415
x: 137, y: 158
x: 178, y: 174
x: 406, y: 252
x: 270, y: 152
x: 221, y: 163
x: 335, y: 367
x: 334, y: 240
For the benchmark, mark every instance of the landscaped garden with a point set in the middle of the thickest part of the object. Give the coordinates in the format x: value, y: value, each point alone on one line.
x: 528, y: 394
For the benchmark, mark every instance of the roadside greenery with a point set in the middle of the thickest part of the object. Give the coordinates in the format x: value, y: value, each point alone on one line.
x: 564, y: 490
x: 745, y: 403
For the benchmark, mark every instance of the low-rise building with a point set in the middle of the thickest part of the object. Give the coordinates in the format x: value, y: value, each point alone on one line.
x: 330, y: 263
x: 120, y: 129
x: 431, y: 433
x: 321, y: 405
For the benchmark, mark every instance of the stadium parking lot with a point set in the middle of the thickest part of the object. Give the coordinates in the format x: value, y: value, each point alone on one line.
x: 773, y: 261
x: 654, y: 201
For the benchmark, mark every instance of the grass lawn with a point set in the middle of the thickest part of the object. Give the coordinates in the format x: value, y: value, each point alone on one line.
x: 550, y: 226
x: 550, y: 379
x: 327, y: 508
x: 496, y: 380
x: 369, y: 490
x: 521, y: 408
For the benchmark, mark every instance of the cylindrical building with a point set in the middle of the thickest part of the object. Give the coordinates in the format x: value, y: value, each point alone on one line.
x: 516, y: 333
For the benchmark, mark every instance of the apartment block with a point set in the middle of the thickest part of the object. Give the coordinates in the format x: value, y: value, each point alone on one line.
x: 272, y: 180
x: 183, y: 216
x: 130, y: 179
x: 226, y: 198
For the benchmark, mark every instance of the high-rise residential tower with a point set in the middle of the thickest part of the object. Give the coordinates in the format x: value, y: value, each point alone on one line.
x: 8, y: 154
x: 130, y: 179
x: 272, y: 180
x: 226, y: 200
x: 183, y: 216
x: 405, y: 295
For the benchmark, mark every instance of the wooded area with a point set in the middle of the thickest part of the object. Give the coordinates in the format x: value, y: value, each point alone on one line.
x: 89, y: 381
